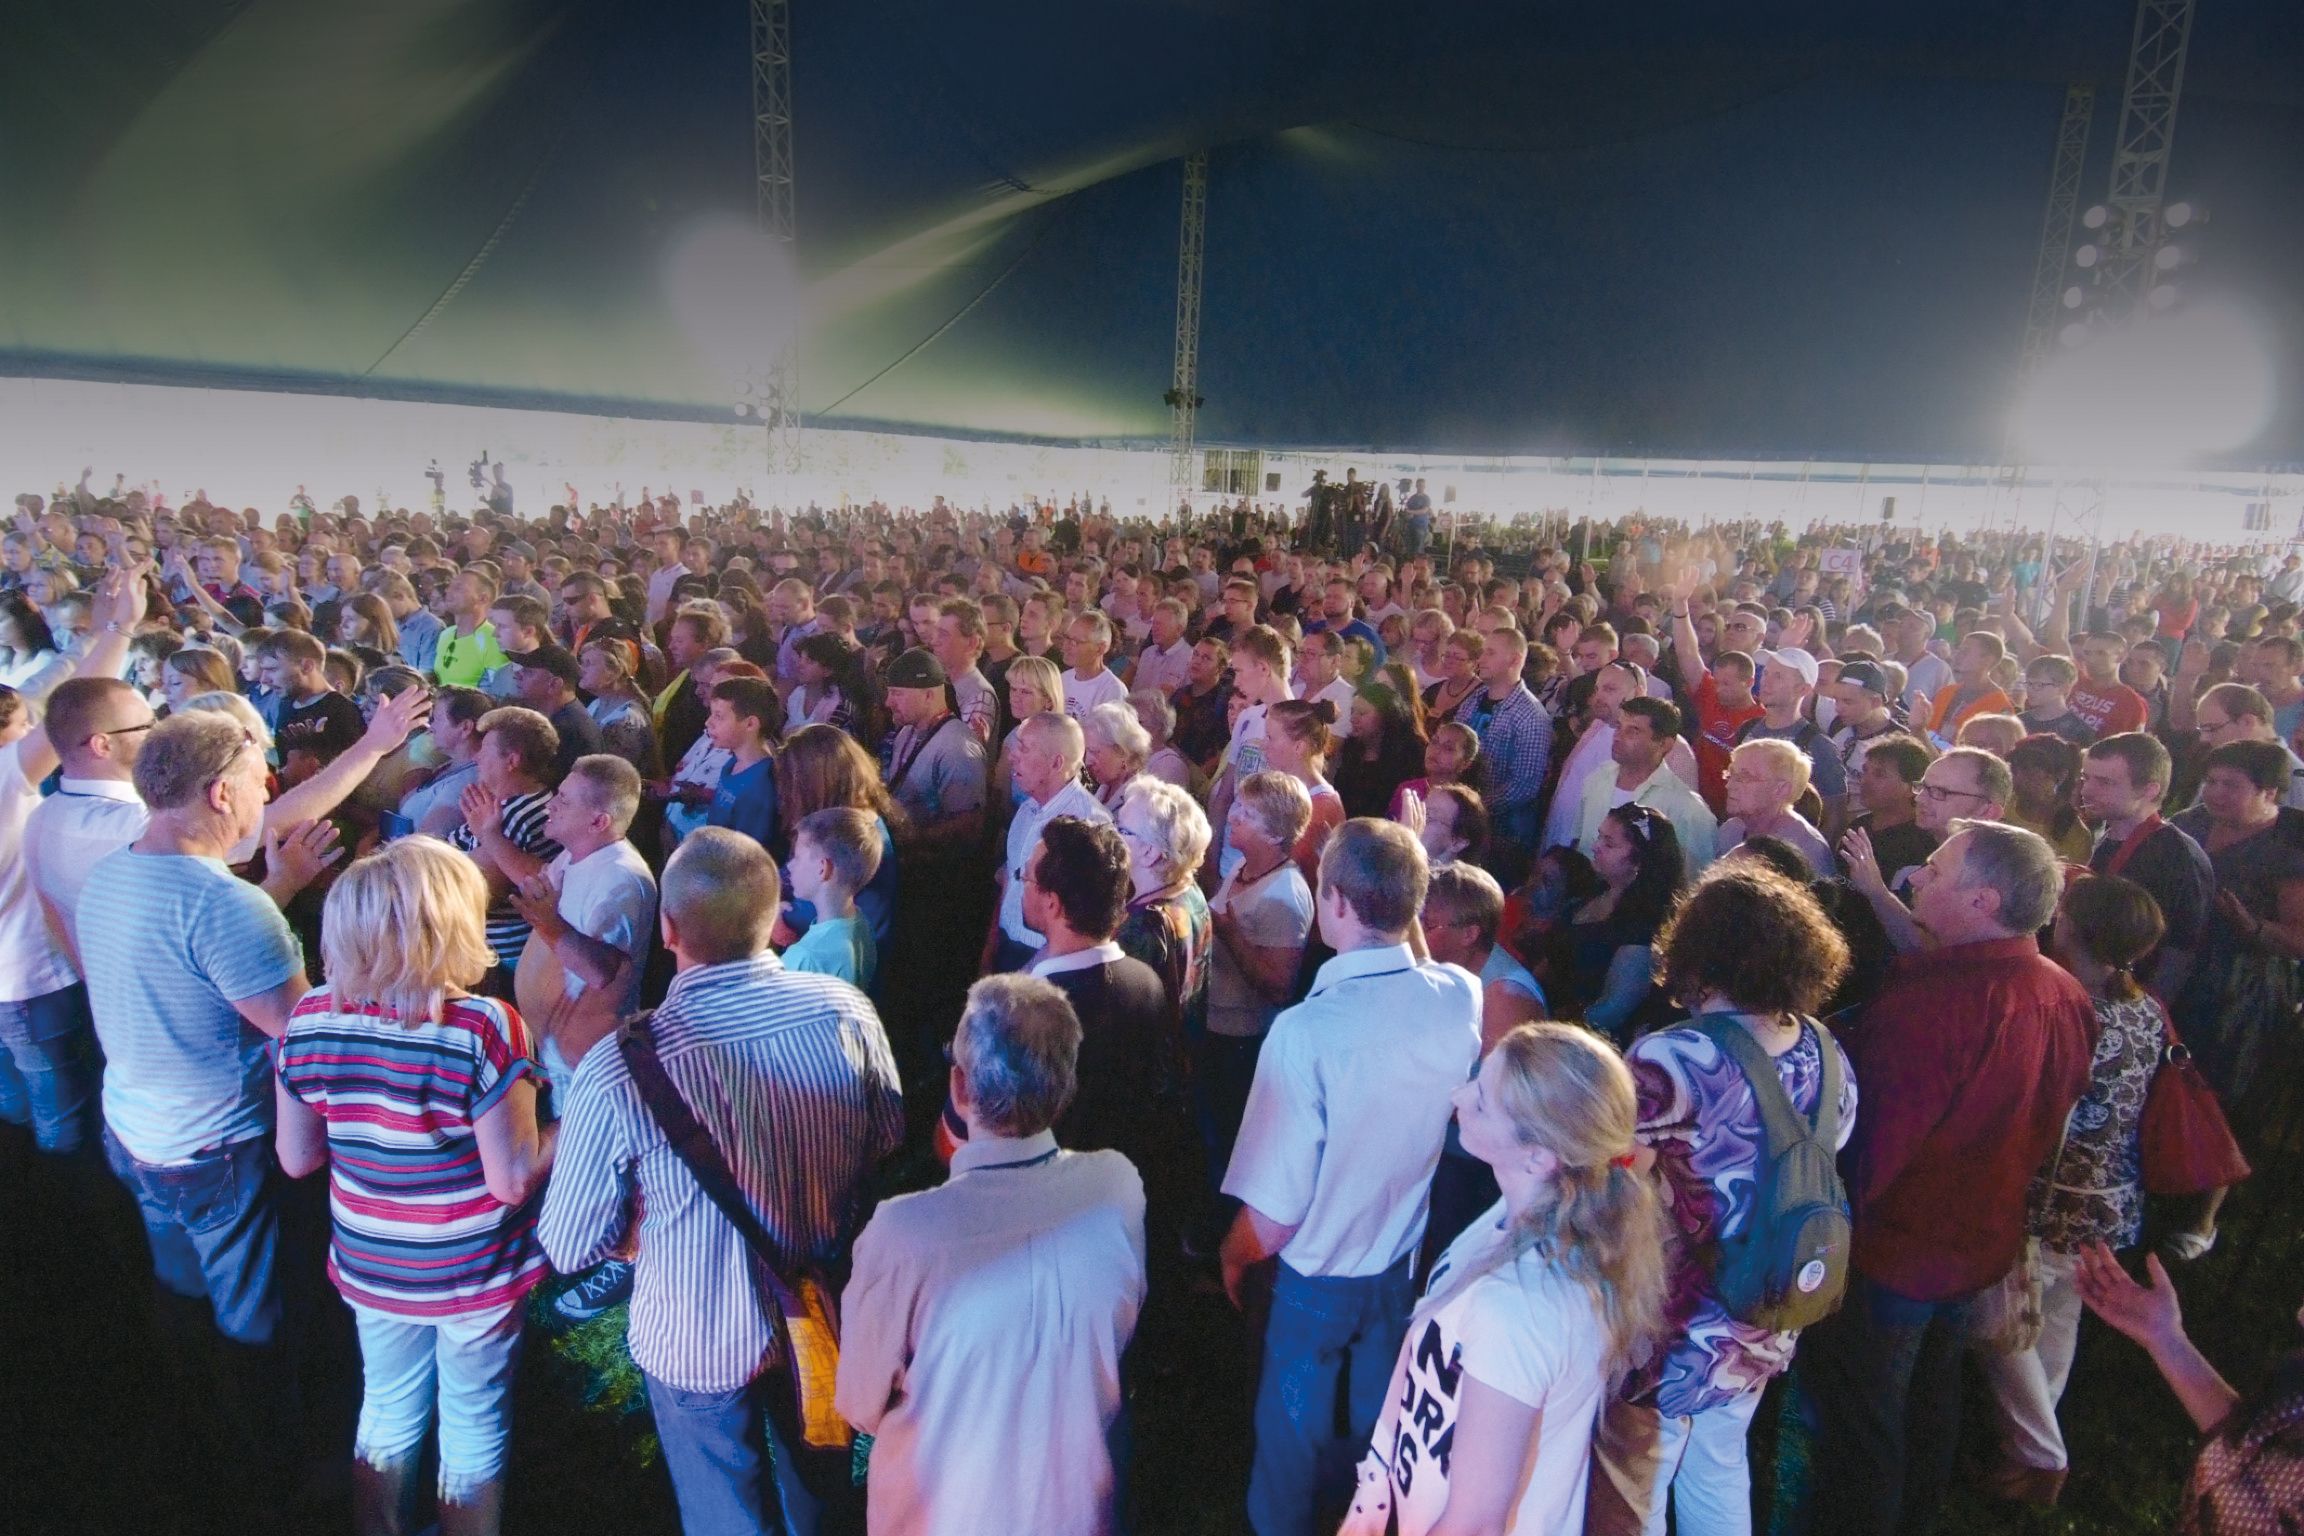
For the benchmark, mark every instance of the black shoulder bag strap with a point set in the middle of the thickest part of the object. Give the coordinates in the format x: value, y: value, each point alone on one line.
x: 693, y: 1145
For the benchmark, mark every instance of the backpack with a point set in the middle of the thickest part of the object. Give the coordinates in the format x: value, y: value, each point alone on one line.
x: 1789, y: 1266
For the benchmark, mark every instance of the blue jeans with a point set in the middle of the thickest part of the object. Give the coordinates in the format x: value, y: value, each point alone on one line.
x: 1330, y: 1345
x: 721, y: 1447
x: 215, y: 1229
x: 1879, y: 1402
x: 49, y: 1067
x: 462, y: 1364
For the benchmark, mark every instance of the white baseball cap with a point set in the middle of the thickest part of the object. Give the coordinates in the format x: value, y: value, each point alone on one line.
x: 1795, y: 658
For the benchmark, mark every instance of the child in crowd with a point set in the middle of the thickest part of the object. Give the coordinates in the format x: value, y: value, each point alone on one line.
x: 835, y: 854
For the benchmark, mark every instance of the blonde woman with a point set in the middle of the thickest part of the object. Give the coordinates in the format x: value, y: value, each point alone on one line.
x: 1035, y: 687
x: 429, y: 1095
x: 194, y: 670
x: 1533, y: 1313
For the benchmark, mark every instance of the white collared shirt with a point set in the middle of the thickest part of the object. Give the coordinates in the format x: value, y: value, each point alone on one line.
x: 1106, y: 953
x: 998, y: 1303
x: 1350, y: 1105
x: 33, y: 960
x: 609, y: 895
x: 1073, y: 799
x: 69, y: 834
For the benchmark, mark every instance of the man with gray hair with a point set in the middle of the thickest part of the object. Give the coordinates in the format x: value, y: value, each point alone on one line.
x: 1970, y: 1059
x: 995, y: 1309
x: 790, y: 1078
x: 190, y: 973
x: 1046, y: 759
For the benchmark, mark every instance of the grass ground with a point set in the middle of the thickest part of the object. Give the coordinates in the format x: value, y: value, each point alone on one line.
x: 90, y: 1444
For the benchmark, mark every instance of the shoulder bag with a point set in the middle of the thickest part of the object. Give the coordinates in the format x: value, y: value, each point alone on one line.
x: 2187, y: 1144
x: 804, y: 1310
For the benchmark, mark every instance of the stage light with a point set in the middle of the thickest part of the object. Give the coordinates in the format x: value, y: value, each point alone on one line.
x: 2094, y: 218
x: 2154, y: 394
x: 2086, y: 256
x: 2167, y: 257
x: 2074, y: 297
x: 2161, y: 296
x: 734, y: 295
x: 2177, y: 216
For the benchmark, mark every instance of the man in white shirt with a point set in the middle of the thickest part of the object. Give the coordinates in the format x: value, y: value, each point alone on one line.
x: 669, y: 570
x: 1046, y: 761
x: 1323, y: 657
x: 1165, y: 662
x: 1646, y: 732
x: 1334, y: 1160
x: 1088, y: 682
x: 995, y: 1308
x: 591, y: 910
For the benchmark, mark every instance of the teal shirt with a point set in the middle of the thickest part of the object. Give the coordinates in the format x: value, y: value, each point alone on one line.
x: 838, y: 946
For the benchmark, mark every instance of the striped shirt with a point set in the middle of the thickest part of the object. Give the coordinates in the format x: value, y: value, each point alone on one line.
x: 524, y: 829
x: 792, y: 1076
x: 172, y: 943
x: 416, y: 1232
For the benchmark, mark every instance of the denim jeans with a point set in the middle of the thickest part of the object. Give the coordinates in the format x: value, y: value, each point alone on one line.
x: 1331, y: 1343
x: 465, y: 1365
x: 215, y: 1229
x: 1879, y: 1384
x: 49, y: 1067
x: 720, y: 1448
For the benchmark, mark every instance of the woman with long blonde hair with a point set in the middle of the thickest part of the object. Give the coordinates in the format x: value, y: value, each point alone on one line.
x: 420, y: 1100
x: 1530, y: 1316
x: 1035, y: 687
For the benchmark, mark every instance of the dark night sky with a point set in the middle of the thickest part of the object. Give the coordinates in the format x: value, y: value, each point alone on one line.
x: 1485, y: 227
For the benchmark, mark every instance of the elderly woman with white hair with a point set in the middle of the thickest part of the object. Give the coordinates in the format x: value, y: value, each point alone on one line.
x: 1167, y: 926
x: 1117, y: 748
x: 1157, y: 715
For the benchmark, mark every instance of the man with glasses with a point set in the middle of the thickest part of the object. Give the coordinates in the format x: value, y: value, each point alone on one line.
x: 2232, y: 712
x: 190, y: 975
x: 1965, y: 784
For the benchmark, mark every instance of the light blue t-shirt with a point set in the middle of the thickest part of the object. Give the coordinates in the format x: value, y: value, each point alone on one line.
x: 170, y: 942
x: 1503, y: 966
x: 837, y: 946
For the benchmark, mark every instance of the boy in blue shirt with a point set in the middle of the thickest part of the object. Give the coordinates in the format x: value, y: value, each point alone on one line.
x: 745, y: 717
x: 835, y: 853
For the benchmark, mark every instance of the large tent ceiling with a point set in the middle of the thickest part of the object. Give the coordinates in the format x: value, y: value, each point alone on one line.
x: 1492, y: 226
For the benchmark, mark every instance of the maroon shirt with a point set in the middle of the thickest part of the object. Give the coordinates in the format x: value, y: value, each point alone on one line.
x: 1968, y: 1063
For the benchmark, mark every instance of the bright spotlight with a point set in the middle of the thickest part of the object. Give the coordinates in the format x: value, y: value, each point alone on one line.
x: 2094, y: 218
x: 734, y: 295
x: 2167, y: 257
x: 2074, y: 297
x: 2086, y: 256
x: 2161, y: 296
x: 2177, y: 215
x: 2157, y: 393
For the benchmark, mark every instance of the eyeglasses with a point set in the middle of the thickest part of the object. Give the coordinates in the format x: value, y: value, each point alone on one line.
x: 1938, y: 794
x: 130, y: 730
x: 2203, y: 727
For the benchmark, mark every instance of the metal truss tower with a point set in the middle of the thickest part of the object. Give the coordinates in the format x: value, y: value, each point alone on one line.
x: 772, y: 168
x: 2133, y: 231
x: 1184, y: 392
x: 2055, y: 258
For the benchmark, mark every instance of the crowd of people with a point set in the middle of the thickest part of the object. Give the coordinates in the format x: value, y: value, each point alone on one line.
x: 1553, y: 985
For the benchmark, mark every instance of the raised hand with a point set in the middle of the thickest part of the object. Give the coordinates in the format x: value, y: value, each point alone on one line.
x: 1860, y: 863
x: 398, y: 718
x: 481, y: 812
x: 299, y: 853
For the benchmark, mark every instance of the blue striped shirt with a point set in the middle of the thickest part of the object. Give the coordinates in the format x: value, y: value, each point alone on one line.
x: 171, y: 942
x: 793, y: 1077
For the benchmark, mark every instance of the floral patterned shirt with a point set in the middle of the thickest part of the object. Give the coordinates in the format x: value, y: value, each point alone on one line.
x: 1697, y: 1111
x: 2098, y: 1191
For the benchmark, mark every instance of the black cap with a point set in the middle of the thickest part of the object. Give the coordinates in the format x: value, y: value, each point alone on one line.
x: 555, y: 659
x: 1865, y: 674
x: 916, y: 668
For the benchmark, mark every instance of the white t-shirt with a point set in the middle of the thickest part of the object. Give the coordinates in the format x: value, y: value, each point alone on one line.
x: 1521, y: 1328
x: 67, y: 835
x: 1276, y: 913
x: 1082, y: 694
x: 33, y: 960
x: 609, y: 895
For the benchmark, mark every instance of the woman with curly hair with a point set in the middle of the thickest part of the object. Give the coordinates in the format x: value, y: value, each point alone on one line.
x: 1748, y: 951
x: 1553, y: 1295
x: 821, y: 767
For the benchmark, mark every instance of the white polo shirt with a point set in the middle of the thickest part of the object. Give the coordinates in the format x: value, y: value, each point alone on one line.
x: 69, y: 834
x: 1082, y: 694
x: 1350, y: 1105
x: 1023, y: 836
